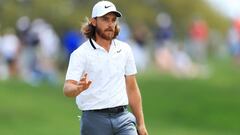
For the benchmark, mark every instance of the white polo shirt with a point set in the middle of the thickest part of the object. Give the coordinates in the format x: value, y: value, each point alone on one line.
x: 106, y: 70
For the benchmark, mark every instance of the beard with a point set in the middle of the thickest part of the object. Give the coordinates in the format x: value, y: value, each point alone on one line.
x: 106, y: 34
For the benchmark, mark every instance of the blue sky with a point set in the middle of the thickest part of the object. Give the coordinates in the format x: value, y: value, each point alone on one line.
x: 230, y: 8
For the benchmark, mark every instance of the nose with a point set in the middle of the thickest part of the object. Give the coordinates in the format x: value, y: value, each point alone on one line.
x: 111, y: 24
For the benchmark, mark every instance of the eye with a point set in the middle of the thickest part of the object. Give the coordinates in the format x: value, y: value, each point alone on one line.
x: 113, y: 20
x: 104, y: 18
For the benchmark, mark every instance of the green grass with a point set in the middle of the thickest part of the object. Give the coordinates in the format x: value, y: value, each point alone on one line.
x: 36, y: 110
x: 171, y: 106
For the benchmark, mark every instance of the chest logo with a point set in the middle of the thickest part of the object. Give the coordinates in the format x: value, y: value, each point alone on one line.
x: 119, y: 51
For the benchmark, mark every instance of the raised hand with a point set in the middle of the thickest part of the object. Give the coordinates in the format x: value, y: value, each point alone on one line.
x: 84, y: 83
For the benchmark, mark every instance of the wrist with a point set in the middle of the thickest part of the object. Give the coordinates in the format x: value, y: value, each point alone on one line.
x: 142, y: 130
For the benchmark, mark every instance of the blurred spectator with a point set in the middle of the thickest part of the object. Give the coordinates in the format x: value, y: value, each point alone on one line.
x: 29, y: 42
x: 183, y: 64
x: 40, y: 51
x: 48, y: 51
x: 164, y: 40
x: 174, y: 60
x: 164, y: 59
x: 3, y: 66
x: 234, y: 40
x: 139, y: 46
x: 10, y: 46
x: 198, y: 34
x: 164, y: 33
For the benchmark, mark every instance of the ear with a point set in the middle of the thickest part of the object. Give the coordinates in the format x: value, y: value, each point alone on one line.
x: 93, y: 21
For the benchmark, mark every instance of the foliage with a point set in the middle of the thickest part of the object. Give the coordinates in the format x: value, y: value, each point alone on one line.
x: 64, y: 14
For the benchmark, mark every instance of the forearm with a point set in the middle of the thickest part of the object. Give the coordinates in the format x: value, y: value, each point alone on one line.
x: 71, y: 90
x: 135, y: 103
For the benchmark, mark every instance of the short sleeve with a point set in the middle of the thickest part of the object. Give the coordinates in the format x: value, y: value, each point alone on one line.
x: 130, y: 67
x: 75, y: 67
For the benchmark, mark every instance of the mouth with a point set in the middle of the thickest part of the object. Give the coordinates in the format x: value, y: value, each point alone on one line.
x: 109, y: 30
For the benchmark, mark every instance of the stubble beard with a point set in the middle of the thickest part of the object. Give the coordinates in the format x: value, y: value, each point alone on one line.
x: 106, y: 34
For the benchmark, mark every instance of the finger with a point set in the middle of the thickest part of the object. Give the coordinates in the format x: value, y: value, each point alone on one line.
x: 85, y: 75
x: 89, y: 83
x: 83, y: 78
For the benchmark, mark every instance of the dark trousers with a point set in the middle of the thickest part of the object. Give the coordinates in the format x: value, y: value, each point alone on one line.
x: 108, y: 123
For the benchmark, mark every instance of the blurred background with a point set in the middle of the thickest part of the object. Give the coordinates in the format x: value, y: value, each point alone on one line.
x: 187, y: 54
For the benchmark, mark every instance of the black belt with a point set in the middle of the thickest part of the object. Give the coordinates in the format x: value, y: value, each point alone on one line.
x: 117, y: 109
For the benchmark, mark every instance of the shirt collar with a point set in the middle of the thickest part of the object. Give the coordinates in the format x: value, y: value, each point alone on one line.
x: 97, y: 46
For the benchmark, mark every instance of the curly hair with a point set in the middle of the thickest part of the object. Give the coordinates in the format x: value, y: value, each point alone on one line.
x: 88, y: 30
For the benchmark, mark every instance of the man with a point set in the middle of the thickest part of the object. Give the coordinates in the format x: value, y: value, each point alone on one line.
x: 101, y: 75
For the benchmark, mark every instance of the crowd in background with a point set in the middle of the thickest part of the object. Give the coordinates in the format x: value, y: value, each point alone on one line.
x: 33, y: 51
x: 30, y: 51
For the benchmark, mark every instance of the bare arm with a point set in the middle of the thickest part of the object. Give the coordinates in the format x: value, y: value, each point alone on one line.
x: 135, y: 103
x: 73, y: 88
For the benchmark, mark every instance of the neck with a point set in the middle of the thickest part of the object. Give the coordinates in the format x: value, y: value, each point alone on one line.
x: 104, y: 43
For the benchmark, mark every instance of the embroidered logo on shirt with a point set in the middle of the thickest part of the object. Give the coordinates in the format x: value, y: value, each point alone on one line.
x: 119, y: 51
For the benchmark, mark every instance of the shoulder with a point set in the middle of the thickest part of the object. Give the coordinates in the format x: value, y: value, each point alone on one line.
x: 84, y: 48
